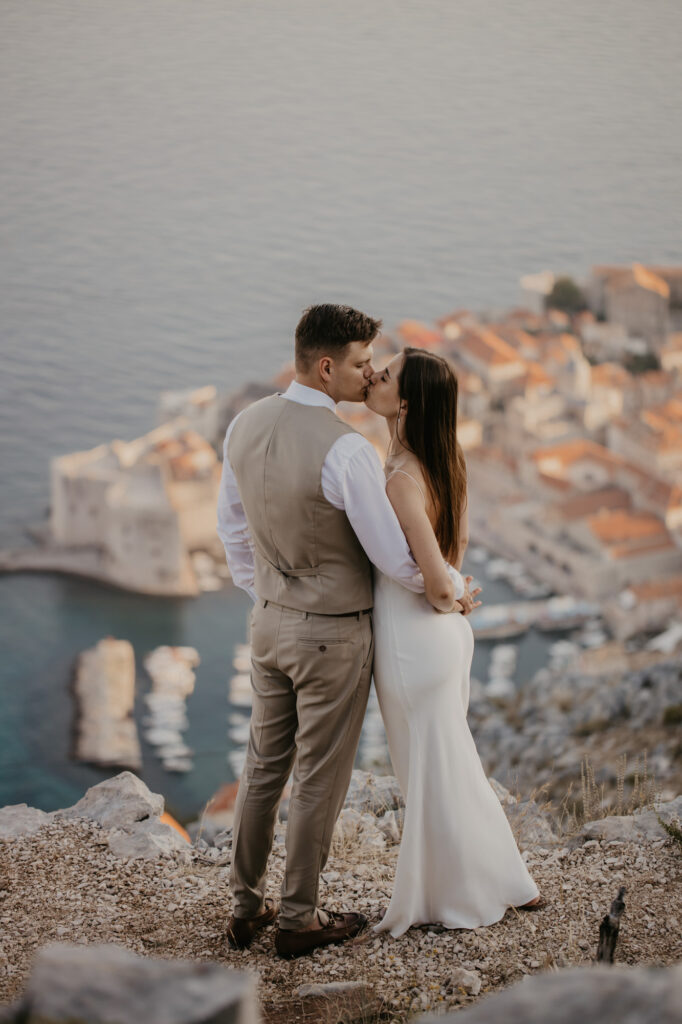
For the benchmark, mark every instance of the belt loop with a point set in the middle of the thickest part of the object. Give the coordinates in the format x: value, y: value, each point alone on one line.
x: 305, y: 615
x: 265, y: 604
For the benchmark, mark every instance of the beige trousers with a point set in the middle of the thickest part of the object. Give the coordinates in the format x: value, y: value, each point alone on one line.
x: 310, y: 676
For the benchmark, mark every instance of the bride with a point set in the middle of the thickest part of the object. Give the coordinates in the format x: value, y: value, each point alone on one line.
x: 458, y: 863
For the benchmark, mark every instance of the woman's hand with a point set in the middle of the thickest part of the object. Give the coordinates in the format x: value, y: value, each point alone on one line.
x: 466, y: 601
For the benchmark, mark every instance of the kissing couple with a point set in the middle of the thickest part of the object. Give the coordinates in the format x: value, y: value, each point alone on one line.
x: 354, y: 571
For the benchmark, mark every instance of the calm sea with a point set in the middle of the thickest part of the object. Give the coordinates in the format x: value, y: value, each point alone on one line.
x: 178, y: 180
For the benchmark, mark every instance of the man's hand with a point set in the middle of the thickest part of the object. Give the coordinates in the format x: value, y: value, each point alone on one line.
x: 467, y: 601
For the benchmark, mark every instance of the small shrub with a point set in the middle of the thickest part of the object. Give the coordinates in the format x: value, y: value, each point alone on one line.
x: 592, y: 726
x: 672, y: 715
x: 673, y: 828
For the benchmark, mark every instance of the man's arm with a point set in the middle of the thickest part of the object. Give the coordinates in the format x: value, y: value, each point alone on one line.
x: 232, y: 527
x: 353, y: 479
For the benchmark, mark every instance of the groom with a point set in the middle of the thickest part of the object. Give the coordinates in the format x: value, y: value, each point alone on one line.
x: 302, y: 512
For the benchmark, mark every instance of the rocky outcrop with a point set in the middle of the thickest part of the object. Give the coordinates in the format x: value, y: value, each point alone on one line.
x: 609, y: 995
x: 73, y: 879
x: 104, y: 984
x: 123, y: 806
x: 642, y: 827
x: 540, y: 735
x: 119, y: 802
x: 21, y: 820
x: 373, y: 794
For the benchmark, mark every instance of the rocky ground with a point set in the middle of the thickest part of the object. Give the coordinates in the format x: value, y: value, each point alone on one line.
x: 621, y: 713
x: 65, y: 882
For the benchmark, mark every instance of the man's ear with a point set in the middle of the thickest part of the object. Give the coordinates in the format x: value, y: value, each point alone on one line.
x: 325, y: 367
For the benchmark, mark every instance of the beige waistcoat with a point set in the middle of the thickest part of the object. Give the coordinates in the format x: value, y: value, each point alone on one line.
x: 307, y: 556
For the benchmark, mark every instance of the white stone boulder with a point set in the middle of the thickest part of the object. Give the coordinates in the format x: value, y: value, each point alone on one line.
x: 373, y: 794
x: 21, y: 820
x: 105, y: 984
x: 502, y: 793
x: 641, y: 827
x: 148, y: 840
x: 466, y: 981
x: 118, y: 802
x: 359, y: 830
x: 608, y: 995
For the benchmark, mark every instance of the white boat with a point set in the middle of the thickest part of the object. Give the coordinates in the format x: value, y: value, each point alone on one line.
x: 161, y: 737
x: 241, y: 694
x: 236, y: 759
x: 498, y: 569
x: 500, y: 687
x: 179, y: 765
x: 170, y: 751
x: 504, y: 656
x: 239, y: 734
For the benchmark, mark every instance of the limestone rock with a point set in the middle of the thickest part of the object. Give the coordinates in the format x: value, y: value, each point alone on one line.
x: 329, y: 988
x: 635, y: 828
x: 334, y: 1002
x: 117, y: 802
x: 21, y: 820
x: 373, y: 794
x: 390, y: 825
x: 147, y: 840
x: 360, y: 829
x: 610, y: 995
x: 105, y: 984
x: 470, y: 981
x: 531, y: 825
x: 502, y: 794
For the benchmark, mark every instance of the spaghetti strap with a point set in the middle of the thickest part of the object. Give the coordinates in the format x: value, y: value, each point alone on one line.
x: 412, y: 478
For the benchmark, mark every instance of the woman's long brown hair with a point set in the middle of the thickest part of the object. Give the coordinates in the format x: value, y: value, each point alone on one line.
x: 429, y: 386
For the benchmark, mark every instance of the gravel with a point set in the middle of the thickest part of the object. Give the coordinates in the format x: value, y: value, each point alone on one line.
x: 64, y: 883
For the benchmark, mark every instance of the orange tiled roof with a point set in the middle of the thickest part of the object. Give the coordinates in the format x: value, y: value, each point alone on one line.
x: 611, y: 375
x: 537, y: 376
x: 557, y: 482
x: 485, y: 345
x: 633, y: 548
x: 642, y: 277
x: 615, y: 526
x: 655, y: 378
x: 455, y: 317
x: 653, y: 589
x: 418, y: 335
x: 583, y: 505
x: 572, y: 451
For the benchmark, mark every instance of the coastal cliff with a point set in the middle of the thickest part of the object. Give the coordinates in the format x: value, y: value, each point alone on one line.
x: 108, y: 870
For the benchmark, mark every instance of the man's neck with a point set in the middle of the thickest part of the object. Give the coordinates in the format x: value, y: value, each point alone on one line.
x: 315, y: 385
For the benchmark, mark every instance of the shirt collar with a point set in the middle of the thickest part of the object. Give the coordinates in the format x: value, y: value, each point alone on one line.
x: 309, y: 396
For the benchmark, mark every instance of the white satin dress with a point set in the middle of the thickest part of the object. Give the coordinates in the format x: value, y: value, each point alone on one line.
x: 458, y: 864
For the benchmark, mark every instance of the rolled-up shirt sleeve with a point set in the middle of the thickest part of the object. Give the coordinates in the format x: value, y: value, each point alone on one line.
x: 232, y: 527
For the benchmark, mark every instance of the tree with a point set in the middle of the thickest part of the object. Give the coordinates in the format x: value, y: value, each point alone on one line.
x: 566, y: 296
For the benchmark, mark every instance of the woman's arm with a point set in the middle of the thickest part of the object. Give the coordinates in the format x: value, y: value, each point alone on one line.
x: 404, y: 495
x: 463, y: 534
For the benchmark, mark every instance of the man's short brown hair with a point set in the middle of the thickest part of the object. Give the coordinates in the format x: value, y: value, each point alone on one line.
x: 328, y: 330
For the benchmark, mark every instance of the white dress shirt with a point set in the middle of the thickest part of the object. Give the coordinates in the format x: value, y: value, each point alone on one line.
x: 353, y: 481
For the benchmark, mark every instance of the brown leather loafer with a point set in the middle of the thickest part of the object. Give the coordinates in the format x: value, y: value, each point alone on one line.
x: 241, y: 930
x: 340, y: 928
x: 540, y: 905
